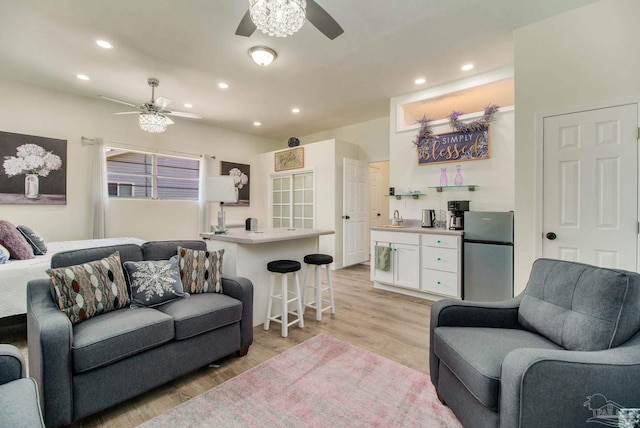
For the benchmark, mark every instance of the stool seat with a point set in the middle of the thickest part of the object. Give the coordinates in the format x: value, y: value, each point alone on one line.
x: 318, y: 259
x: 283, y: 266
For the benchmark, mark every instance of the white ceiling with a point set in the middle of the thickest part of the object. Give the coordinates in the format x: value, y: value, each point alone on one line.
x: 190, y: 46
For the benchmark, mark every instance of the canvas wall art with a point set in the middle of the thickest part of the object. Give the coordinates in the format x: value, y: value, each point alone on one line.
x: 241, y: 174
x: 33, y: 170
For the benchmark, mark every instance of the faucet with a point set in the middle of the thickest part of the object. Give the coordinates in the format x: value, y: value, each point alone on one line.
x: 396, y: 218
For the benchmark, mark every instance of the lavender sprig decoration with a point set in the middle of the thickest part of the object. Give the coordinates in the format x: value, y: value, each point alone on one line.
x: 476, y: 125
x: 425, y: 134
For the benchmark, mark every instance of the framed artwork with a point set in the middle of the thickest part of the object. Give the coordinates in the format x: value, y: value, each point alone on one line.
x: 241, y: 174
x: 289, y: 159
x: 455, y: 146
x: 33, y: 170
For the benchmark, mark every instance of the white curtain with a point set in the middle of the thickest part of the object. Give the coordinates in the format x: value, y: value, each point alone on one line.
x: 204, y: 210
x: 100, y: 189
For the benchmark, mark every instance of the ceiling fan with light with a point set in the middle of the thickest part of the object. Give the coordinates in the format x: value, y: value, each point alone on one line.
x: 282, y: 18
x: 153, y: 114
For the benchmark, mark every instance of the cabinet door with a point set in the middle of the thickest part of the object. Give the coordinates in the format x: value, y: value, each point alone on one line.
x: 407, y: 265
x: 379, y: 275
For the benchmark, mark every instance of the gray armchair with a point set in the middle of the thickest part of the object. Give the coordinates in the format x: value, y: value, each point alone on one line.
x: 19, y: 404
x: 563, y: 353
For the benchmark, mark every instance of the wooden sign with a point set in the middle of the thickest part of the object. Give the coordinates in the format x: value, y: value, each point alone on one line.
x: 455, y: 146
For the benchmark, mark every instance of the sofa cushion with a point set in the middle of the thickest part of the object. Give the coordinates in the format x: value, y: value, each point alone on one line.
x: 19, y: 404
x: 90, y: 289
x: 580, y: 307
x: 34, y: 239
x: 201, y: 313
x: 200, y: 270
x: 117, y: 335
x: 13, y: 241
x: 475, y: 355
x: 154, y: 282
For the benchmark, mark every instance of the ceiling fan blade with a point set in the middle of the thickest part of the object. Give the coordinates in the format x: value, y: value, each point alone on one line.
x: 168, y: 121
x: 183, y: 114
x: 128, y: 112
x: 117, y: 101
x: 161, y: 102
x: 322, y: 20
x: 246, y: 26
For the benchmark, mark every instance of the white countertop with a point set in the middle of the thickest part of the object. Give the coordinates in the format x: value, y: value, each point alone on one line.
x: 241, y: 236
x: 414, y: 229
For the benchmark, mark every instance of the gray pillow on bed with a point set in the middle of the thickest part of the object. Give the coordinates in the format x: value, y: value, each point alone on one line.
x: 13, y: 241
x: 34, y: 239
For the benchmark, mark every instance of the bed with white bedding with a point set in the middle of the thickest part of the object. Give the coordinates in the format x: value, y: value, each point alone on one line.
x: 15, y: 274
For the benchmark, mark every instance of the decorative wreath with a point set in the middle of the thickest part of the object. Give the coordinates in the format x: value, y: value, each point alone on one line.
x: 425, y: 134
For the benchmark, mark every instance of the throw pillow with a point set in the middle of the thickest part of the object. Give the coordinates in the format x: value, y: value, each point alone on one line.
x: 4, y: 255
x: 13, y: 241
x: 34, y: 239
x: 154, y: 282
x: 200, y: 270
x: 90, y: 289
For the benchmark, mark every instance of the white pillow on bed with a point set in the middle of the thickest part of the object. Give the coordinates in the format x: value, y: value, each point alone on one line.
x: 4, y: 255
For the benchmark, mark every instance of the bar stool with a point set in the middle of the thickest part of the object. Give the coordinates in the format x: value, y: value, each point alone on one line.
x: 319, y: 260
x: 283, y: 267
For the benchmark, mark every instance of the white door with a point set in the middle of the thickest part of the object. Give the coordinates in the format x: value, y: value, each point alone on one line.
x: 375, y: 208
x: 590, y: 211
x: 355, y: 239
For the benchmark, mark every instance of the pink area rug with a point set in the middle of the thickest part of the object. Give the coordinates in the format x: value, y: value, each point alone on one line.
x: 322, y: 382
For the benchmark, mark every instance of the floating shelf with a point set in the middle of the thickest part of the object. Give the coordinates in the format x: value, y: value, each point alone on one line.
x: 406, y: 195
x: 471, y: 187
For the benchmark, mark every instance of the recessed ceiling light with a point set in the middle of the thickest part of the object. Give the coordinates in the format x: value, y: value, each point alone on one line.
x: 295, y: 110
x: 223, y: 85
x: 104, y: 44
x: 420, y: 81
x: 187, y: 105
x: 262, y: 55
x: 467, y: 67
x: 82, y: 77
x: 256, y: 124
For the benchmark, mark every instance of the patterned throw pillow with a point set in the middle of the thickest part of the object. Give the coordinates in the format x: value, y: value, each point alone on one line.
x: 154, y: 282
x: 200, y: 270
x: 90, y: 289
x: 13, y: 241
x: 34, y: 239
x: 4, y: 255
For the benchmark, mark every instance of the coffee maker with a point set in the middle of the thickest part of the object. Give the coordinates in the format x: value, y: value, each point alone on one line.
x: 456, y: 218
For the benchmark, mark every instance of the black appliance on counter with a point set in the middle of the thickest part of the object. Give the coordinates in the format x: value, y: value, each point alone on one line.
x: 456, y: 218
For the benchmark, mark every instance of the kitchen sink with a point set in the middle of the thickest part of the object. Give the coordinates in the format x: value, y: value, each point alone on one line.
x: 393, y: 226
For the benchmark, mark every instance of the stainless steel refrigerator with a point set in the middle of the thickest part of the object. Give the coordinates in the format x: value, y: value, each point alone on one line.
x: 488, y: 256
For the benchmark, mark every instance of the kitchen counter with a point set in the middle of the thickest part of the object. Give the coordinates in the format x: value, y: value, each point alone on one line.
x: 241, y: 236
x: 418, y: 229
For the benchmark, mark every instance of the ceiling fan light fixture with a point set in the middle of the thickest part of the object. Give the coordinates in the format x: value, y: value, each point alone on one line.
x: 280, y: 18
x: 262, y: 55
x: 154, y: 123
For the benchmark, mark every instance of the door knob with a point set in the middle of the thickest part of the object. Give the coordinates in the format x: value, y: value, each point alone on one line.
x: 346, y: 217
x: 378, y: 214
x: 551, y: 236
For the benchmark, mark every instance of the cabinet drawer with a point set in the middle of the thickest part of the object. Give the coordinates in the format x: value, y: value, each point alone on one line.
x: 440, y: 258
x: 396, y: 237
x: 437, y: 282
x: 443, y: 241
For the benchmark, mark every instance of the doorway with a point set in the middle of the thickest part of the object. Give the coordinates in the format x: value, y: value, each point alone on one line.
x: 378, y: 188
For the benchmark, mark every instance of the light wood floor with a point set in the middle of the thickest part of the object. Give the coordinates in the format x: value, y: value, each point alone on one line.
x: 389, y: 324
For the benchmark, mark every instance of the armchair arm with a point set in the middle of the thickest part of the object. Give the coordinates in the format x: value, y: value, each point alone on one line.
x: 566, y: 388
x: 242, y: 289
x: 12, y: 365
x: 49, y: 337
x: 465, y: 313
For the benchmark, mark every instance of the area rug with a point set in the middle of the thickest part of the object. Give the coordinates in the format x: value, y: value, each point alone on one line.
x: 322, y: 382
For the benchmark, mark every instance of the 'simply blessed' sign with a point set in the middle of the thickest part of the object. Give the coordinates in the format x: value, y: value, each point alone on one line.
x: 455, y: 147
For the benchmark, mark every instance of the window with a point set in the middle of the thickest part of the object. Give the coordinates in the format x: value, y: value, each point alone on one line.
x: 292, y: 201
x: 151, y: 176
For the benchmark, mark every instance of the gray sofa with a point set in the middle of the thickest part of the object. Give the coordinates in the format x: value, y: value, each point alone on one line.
x: 107, y: 359
x: 563, y: 353
x: 19, y: 406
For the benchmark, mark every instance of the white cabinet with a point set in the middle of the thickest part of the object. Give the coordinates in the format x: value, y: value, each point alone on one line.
x: 404, y: 268
x: 422, y: 264
x: 441, y: 265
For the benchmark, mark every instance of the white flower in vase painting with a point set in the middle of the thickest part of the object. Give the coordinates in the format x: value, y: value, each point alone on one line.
x: 31, y: 159
x: 239, y: 177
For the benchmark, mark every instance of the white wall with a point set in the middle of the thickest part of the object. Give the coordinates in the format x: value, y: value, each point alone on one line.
x: 31, y: 110
x: 582, y: 57
x: 325, y: 159
x: 372, y: 136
